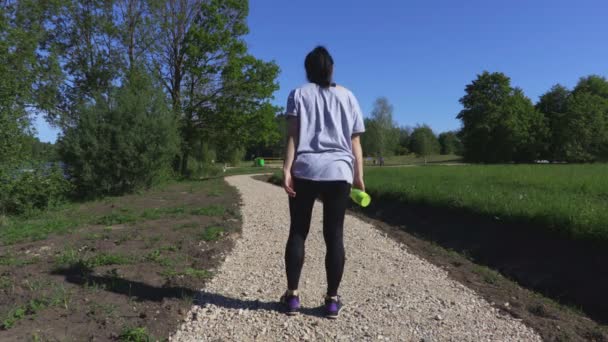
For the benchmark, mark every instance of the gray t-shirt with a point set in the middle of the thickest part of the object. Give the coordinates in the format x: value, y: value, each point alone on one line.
x: 328, y: 119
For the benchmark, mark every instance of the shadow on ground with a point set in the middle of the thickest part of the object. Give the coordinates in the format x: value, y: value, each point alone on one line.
x: 203, y: 298
x: 568, y: 271
x: 78, y: 275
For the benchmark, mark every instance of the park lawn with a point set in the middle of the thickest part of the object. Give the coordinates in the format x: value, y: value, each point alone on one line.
x: 114, y: 268
x: 411, y: 159
x: 569, y: 199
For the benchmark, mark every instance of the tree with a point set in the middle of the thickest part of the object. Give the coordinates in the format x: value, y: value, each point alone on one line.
x: 450, y: 143
x: 87, y: 42
x: 500, y: 124
x: 404, y: 140
x: 121, y: 143
x: 423, y: 142
x: 370, y: 141
x: 203, y: 62
x: 553, y: 105
x: 27, y: 72
x: 381, y: 133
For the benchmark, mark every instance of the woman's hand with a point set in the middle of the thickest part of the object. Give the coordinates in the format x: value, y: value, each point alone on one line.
x: 288, y: 184
x: 358, y: 183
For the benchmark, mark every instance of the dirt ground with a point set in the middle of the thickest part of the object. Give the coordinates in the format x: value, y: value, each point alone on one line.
x: 130, y: 275
x: 510, y: 266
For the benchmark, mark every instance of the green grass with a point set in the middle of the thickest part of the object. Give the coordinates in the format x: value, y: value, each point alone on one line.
x: 11, y: 260
x: 55, y: 221
x: 69, y: 217
x: 135, y: 335
x: 212, y: 233
x: 571, y: 199
x: 72, y: 259
x: 60, y: 298
x: 412, y: 159
x: 211, y: 210
x: 5, y: 282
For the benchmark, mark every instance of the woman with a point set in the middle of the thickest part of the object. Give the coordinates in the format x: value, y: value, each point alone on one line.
x: 323, y: 158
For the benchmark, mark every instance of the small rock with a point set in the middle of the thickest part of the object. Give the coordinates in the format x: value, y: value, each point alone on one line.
x: 438, y: 317
x: 507, y: 304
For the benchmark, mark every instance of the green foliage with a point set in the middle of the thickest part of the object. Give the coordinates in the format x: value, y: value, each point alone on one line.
x: 72, y: 259
x: 500, y: 124
x: 553, y: 105
x: 423, y: 141
x: 27, y: 190
x: 587, y: 128
x: 450, y: 143
x: 569, y: 199
x: 121, y: 144
x: 212, y: 233
x: 382, y: 136
x: 135, y: 335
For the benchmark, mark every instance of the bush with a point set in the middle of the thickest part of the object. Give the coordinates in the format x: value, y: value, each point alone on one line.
x: 198, y: 169
x: 236, y: 156
x: 121, y: 144
x: 39, y: 188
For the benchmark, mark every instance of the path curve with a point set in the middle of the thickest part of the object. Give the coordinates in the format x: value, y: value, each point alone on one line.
x: 389, y: 293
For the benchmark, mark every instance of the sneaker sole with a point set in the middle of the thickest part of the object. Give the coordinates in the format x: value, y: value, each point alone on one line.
x: 331, y: 316
x: 292, y: 313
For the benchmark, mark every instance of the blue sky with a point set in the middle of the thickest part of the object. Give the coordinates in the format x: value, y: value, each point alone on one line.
x: 420, y: 54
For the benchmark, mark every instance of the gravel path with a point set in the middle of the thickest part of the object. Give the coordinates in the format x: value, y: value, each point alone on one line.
x: 389, y: 294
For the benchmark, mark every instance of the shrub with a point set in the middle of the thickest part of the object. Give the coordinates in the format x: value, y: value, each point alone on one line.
x: 121, y: 144
x: 39, y: 188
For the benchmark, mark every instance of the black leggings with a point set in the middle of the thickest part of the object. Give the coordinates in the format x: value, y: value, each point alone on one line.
x: 335, y: 196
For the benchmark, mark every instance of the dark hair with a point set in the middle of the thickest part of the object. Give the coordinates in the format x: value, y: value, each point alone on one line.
x: 319, y: 66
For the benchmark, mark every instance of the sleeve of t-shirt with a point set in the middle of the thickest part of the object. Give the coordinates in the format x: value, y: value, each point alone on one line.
x: 290, y: 110
x: 358, y: 125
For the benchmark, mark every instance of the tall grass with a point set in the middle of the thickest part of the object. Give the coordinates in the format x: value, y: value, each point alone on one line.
x: 571, y: 199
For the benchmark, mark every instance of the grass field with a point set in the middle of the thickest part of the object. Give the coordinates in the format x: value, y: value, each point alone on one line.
x: 572, y: 199
x: 119, y: 268
x: 412, y: 159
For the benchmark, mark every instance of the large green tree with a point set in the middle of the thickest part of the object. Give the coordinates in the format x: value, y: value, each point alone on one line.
x: 500, y: 124
x: 450, y: 143
x: 586, y: 121
x: 210, y: 76
x: 423, y: 142
x: 121, y: 143
x: 553, y: 105
x: 27, y: 73
x: 382, y: 133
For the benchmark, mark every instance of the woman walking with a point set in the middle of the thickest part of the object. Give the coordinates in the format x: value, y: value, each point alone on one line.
x: 323, y: 158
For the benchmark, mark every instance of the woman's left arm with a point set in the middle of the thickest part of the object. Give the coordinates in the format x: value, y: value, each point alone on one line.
x: 293, y: 129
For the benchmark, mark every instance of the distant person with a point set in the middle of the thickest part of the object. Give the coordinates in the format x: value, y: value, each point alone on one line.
x: 323, y: 158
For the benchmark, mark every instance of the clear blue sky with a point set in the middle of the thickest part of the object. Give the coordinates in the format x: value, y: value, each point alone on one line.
x: 420, y: 54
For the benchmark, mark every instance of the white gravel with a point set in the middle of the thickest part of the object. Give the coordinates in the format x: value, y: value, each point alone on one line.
x: 389, y: 293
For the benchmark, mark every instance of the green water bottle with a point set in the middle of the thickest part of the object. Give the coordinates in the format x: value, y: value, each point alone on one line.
x: 360, y: 197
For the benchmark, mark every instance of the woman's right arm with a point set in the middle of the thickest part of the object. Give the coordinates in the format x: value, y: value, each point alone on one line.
x: 358, y: 153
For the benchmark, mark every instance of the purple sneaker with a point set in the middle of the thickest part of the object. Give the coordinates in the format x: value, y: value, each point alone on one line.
x: 332, y: 307
x: 291, y: 303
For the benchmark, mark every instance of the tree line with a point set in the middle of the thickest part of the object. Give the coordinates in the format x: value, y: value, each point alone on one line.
x: 384, y: 137
x: 500, y: 124
x: 141, y: 90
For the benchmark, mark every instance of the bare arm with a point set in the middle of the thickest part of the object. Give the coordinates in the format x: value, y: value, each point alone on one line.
x: 293, y: 130
x: 358, y: 153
